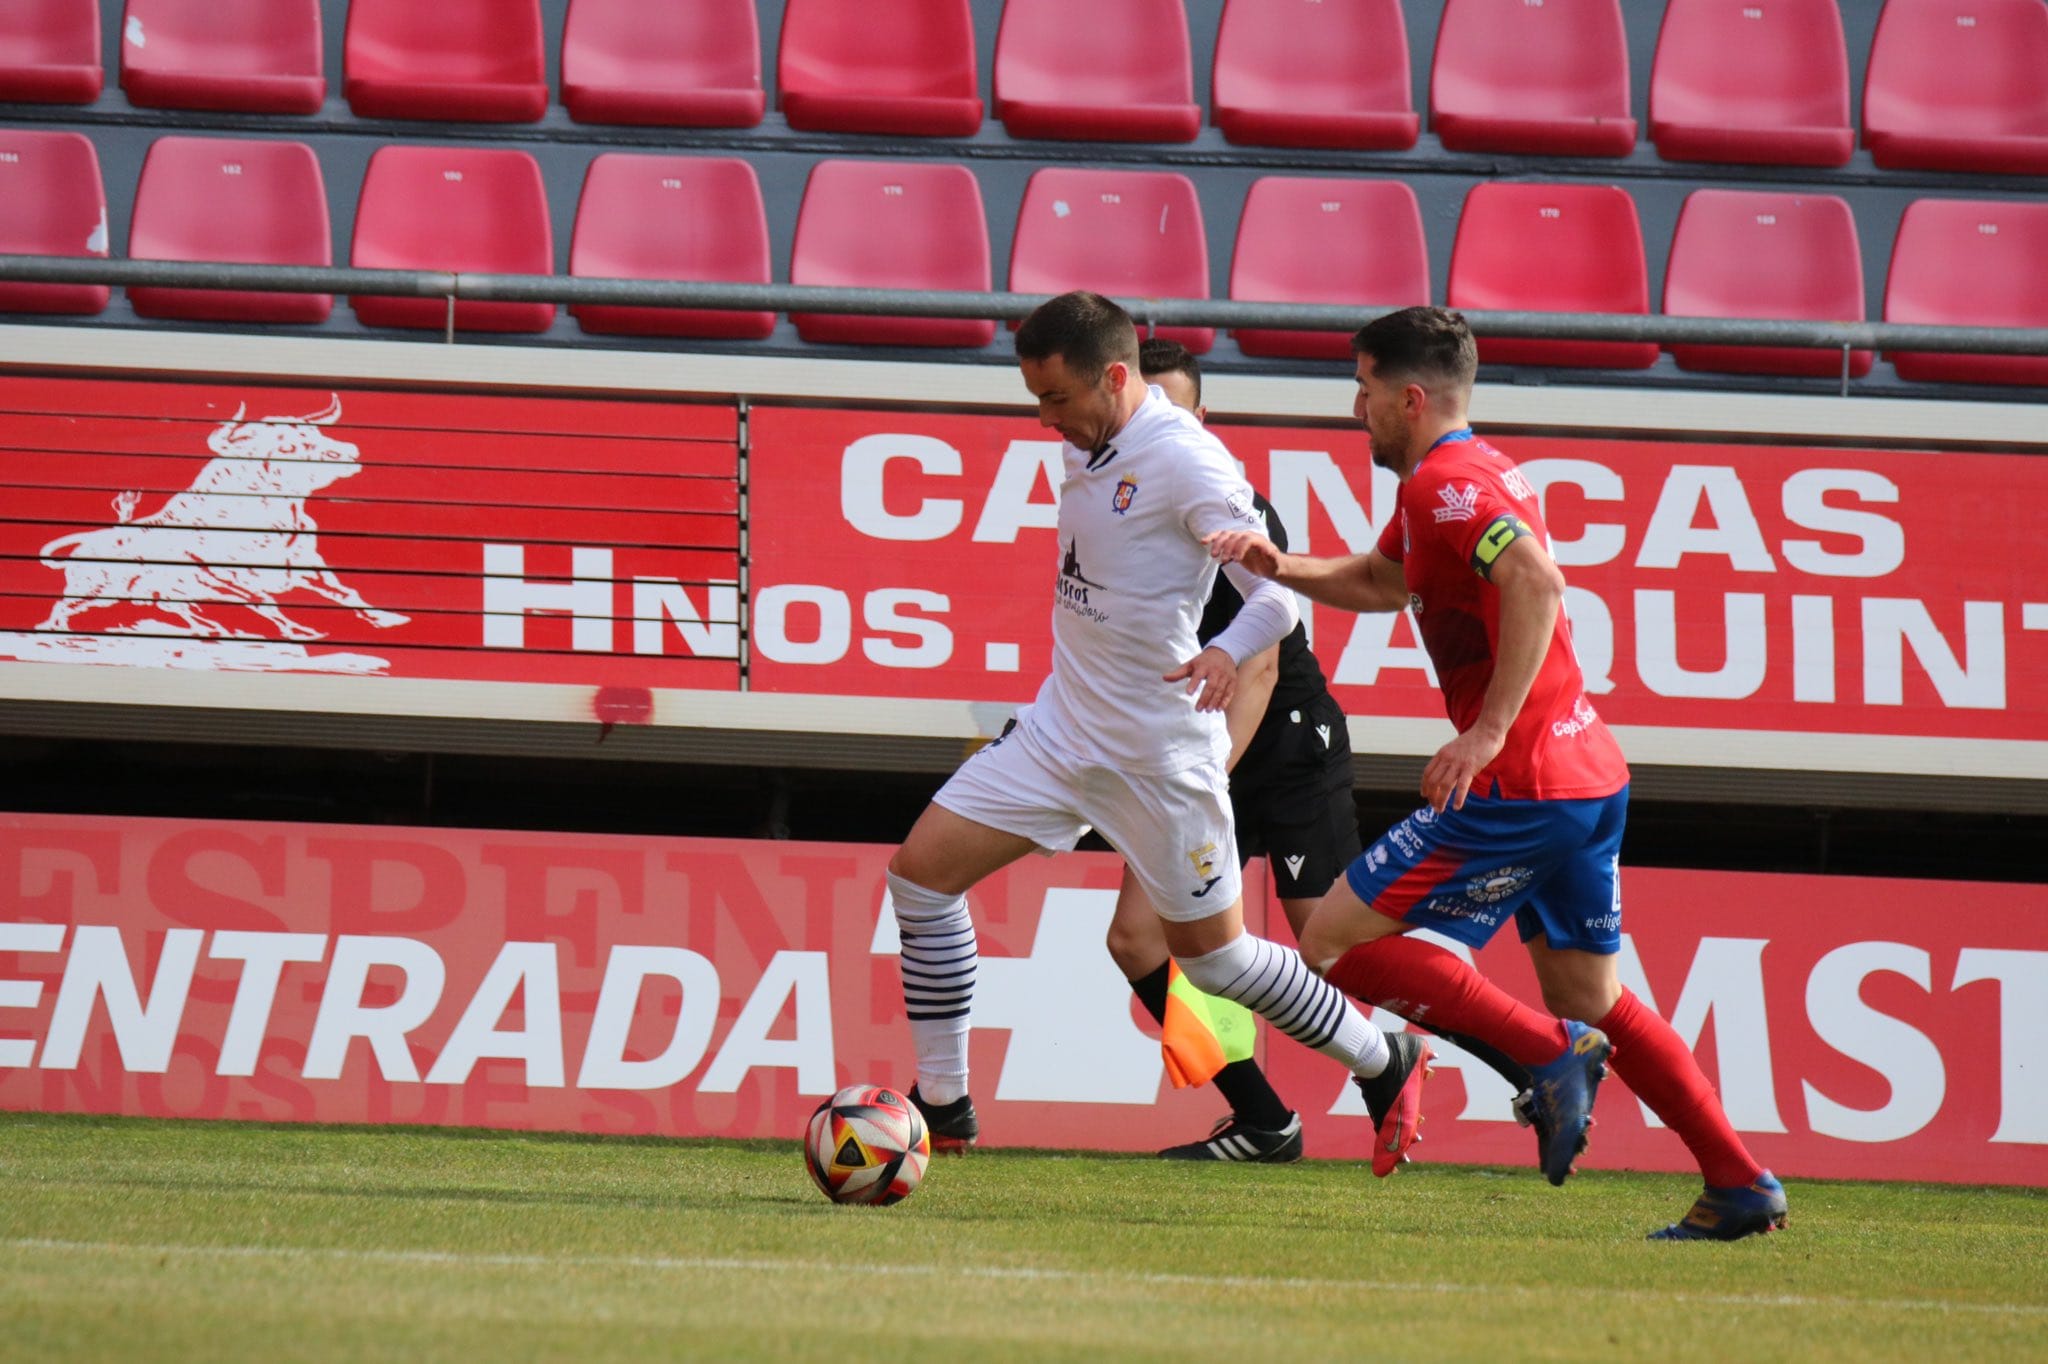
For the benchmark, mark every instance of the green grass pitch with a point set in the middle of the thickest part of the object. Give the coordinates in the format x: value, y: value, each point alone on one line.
x: 140, y: 1240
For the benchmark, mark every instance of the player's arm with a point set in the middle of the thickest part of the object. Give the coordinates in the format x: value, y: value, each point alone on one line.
x: 1267, y: 616
x: 1531, y: 595
x: 1256, y: 678
x: 1352, y: 582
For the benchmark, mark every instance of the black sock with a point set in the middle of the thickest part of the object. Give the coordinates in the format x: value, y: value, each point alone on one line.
x: 1241, y: 1083
x: 1503, y: 1065
x: 1150, y: 989
x: 1251, y: 1095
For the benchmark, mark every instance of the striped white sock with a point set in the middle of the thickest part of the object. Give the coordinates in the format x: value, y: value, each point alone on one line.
x: 938, y: 962
x: 1274, y: 983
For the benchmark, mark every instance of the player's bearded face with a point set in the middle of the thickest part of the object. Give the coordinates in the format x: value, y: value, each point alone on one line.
x: 1081, y: 410
x: 1378, y: 408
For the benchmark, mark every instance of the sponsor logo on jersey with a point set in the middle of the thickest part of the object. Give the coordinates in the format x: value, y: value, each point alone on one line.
x: 1294, y: 862
x: 1491, y: 887
x: 1239, y: 504
x: 1461, y: 909
x: 1404, y: 837
x: 1424, y: 817
x: 1415, y: 605
x: 1376, y: 857
x: 1517, y: 482
x: 1460, y: 502
x: 1074, y: 584
x: 1126, y: 489
x: 1583, y: 718
x: 1203, y: 859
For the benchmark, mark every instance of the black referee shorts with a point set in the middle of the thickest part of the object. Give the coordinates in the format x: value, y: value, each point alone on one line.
x: 1291, y: 797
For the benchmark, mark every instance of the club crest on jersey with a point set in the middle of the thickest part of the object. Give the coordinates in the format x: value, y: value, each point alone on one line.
x: 1460, y: 502
x: 1126, y: 489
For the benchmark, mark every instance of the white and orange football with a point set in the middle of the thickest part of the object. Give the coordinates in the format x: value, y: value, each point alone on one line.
x: 867, y: 1144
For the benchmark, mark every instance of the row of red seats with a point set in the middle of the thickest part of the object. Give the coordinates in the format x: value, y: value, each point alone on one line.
x: 921, y: 225
x: 1950, y: 84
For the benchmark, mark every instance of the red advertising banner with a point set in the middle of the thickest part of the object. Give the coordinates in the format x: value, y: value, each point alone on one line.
x: 1729, y: 587
x: 244, y: 528
x: 290, y: 972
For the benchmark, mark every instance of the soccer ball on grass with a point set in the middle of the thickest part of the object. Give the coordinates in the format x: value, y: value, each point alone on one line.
x: 867, y: 1144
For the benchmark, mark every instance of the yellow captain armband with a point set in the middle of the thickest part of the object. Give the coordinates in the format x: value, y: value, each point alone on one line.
x: 1501, y: 532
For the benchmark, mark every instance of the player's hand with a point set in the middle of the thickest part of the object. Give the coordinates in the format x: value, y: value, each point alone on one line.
x: 1211, y: 677
x: 1246, y: 547
x: 1451, y: 772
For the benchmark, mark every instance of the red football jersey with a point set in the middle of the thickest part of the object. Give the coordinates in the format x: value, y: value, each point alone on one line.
x: 1465, y: 503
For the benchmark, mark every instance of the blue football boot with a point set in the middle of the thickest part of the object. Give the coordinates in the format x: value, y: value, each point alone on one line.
x: 1731, y: 1214
x: 1561, y: 1102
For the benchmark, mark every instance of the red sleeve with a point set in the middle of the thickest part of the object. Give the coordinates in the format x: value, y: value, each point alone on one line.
x: 1458, y: 508
x: 1390, y: 535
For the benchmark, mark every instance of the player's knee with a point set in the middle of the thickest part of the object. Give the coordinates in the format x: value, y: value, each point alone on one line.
x: 1215, y: 972
x: 1323, y: 942
x: 1585, y: 1000
x: 916, y: 904
x: 1134, y: 949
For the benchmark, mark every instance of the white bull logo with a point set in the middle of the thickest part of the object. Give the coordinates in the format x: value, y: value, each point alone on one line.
x: 239, y: 537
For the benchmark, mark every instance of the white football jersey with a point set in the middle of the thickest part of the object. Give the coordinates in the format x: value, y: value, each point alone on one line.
x: 1133, y: 576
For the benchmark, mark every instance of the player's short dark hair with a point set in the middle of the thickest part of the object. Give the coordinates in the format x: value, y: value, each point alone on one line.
x: 1429, y: 346
x: 1086, y: 330
x: 1161, y: 356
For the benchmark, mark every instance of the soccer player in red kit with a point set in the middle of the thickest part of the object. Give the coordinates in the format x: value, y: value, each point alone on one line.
x: 1526, y: 804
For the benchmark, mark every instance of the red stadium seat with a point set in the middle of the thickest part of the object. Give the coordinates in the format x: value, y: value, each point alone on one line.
x: 50, y: 52
x: 1550, y: 79
x: 257, y: 56
x: 892, y: 225
x: 1552, y: 249
x: 671, y: 217
x: 1743, y: 254
x: 52, y: 203
x: 694, y: 65
x: 474, y: 60
x: 1970, y: 263
x: 1736, y: 80
x: 1317, y: 75
x: 1959, y: 85
x: 1326, y: 241
x: 1096, y: 70
x: 229, y: 199
x: 1124, y: 233
x: 453, y: 208
x: 882, y: 66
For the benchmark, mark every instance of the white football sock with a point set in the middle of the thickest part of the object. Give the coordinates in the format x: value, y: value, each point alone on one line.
x: 938, y: 965
x: 1274, y: 983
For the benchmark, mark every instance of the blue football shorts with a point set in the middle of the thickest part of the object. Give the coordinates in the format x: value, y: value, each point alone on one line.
x: 1555, y: 865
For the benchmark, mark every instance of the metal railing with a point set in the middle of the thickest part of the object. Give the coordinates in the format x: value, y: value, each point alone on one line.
x: 1149, y: 312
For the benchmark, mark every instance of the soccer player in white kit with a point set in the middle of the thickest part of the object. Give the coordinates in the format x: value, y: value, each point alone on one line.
x: 1127, y: 733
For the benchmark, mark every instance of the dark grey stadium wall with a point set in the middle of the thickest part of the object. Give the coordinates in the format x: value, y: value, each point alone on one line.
x: 1222, y: 173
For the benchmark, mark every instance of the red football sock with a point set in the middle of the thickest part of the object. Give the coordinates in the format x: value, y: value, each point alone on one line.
x: 1427, y: 985
x: 1654, y: 1061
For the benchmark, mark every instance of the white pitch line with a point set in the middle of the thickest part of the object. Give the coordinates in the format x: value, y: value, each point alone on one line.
x: 1007, y: 1273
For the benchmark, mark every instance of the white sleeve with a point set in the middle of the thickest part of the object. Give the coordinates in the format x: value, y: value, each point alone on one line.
x: 1269, y: 615
x: 1210, y: 493
x: 1213, y: 496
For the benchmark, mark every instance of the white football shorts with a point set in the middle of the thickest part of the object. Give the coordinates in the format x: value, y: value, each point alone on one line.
x: 1173, y: 830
